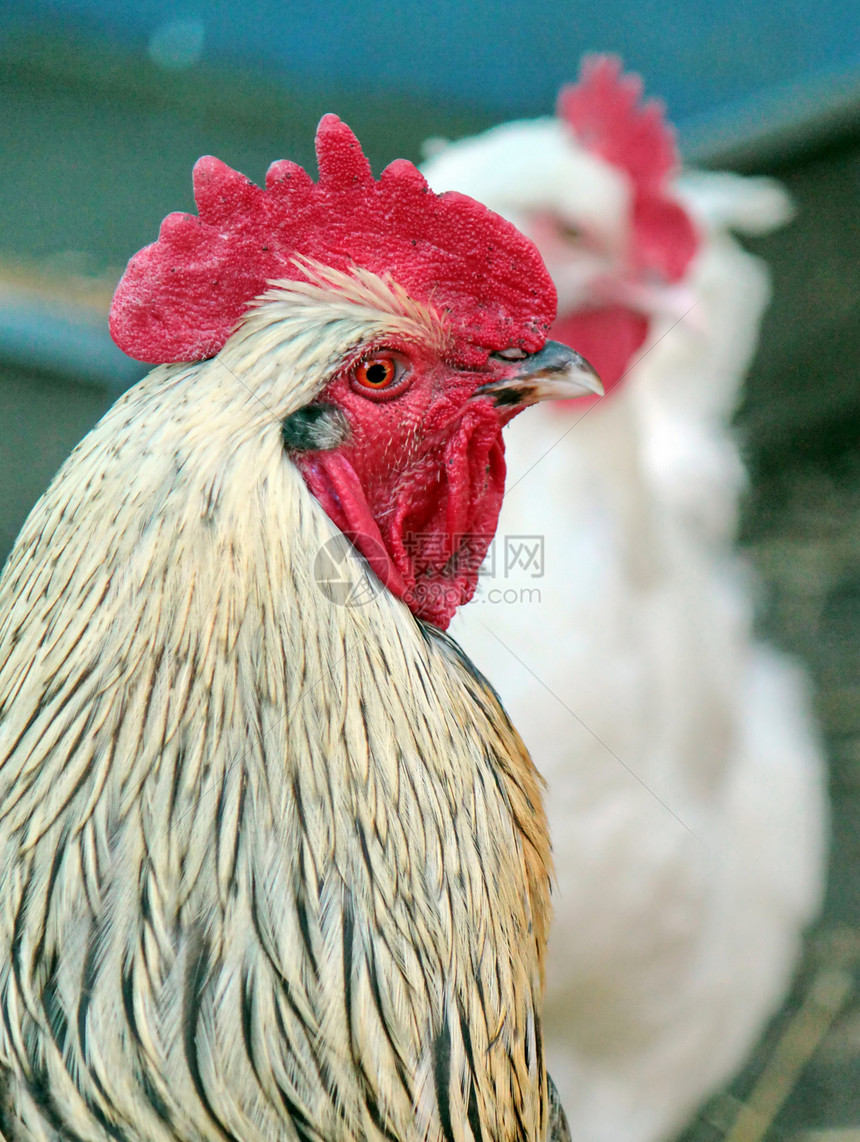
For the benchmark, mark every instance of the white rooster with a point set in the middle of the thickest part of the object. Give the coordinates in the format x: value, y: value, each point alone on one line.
x: 686, y: 783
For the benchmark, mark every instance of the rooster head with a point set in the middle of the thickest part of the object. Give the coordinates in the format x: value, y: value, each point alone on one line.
x: 607, y: 117
x: 593, y: 189
x: 394, y: 332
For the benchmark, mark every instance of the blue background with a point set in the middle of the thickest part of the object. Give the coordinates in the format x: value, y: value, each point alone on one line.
x: 744, y: 63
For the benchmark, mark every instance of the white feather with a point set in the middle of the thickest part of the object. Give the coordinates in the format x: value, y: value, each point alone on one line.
x: 686, y: 786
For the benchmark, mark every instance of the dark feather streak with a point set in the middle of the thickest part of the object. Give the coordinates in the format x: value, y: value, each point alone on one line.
x: 442, y: 1079
x: 472, y: 1112
x: 197, y: 972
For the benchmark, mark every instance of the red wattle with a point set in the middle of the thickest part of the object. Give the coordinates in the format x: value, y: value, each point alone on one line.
x: 609, y: 338
x: 425, y: 529
x: 334, y: 482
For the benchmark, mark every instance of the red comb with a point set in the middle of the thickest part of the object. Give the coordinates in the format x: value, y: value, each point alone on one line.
x: 181, y: 297
x: 609, y: 117
x: 606, y: 110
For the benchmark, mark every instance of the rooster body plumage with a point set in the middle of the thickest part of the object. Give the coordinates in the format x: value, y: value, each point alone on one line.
x: 271, y: 839
x: 686, y: 785
x: 273, y: 862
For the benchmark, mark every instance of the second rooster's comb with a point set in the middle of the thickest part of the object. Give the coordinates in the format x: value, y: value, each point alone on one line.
x: 606, y: 110
x: 181, y: 297
x: 609, y: 117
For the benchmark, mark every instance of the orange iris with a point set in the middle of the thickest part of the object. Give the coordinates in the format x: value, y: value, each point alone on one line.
x: 376, y: 372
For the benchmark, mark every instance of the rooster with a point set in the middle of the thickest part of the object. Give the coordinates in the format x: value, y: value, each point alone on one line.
x: 274, y: 861
x: 685, y: 777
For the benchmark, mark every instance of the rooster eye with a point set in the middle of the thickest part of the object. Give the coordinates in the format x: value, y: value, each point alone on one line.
x: 383, y: 374
x: 377, y: 373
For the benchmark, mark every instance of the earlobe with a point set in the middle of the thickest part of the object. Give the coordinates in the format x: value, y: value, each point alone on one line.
x: 315, y: 428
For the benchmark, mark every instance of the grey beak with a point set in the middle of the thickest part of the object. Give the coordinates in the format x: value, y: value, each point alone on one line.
x: 555, y: 373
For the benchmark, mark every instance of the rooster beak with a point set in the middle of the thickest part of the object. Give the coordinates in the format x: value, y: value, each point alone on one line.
x: 555, y: 373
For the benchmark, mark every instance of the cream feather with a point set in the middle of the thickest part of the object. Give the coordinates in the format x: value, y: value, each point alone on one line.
x: 272, y: 867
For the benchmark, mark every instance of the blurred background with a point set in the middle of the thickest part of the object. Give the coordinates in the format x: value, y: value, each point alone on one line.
x: 105, y: 107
